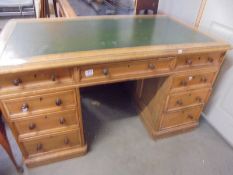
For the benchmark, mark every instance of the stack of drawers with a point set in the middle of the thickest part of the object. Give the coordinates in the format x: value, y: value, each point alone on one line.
x: 44, y: 113
x: 189, y: 90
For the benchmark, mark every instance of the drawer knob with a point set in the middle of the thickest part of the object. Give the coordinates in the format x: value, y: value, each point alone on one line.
x: 66, y: 141
x: 25, y: 107
x: 151, y: 66
x: 53, y: 77
x: 190, y: 116
x: 189, y: 62
x: 198, y: 99
x: 32, y: 126
x: 39, y: 147
x: 62, y: 120
x: 58, y: 102
x: 17, y: 82
x: 179, y: 102
x: 210, y: 60
x: 203, y: 79
x: 105, y: 71
x: 183, y: 83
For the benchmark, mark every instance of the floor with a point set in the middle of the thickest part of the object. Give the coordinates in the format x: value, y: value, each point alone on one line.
x: 119, y: 144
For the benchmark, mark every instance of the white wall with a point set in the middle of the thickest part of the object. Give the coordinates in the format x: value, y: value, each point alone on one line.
x: 217, y: 20
x: 185, y: 10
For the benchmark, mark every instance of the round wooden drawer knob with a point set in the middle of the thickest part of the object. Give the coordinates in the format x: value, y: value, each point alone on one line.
x: 53, y: 77
x: 210, y: 60
x: 105, y: 71
x: 25, y: 107
x: 204, y: 79
x: 179, y: 102
x: 198, y: 99
x: 191, y: 117
x: 62, y: 120
x: 32, y: 126
x: 183, y: 83
x: 39, y: 147
x: 151, y: 66
x: 17, y: 82
x: 66, y: 141
x: 58, y: 102
x: 189, y: 62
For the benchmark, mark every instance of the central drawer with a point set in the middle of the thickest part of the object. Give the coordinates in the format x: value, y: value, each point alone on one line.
x: 187, y: 98
x: 38, y: 123
x: 42, y: 103
x: 52, y: 142
x: 126, y: 69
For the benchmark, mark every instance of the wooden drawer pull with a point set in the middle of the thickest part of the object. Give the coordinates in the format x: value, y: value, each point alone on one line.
x: 32, y: 126
x: 17, y: 82
x: 210, y: 60
x: 151, y: 66
x: 53, y: 77
x: 189, y: 62
x: 62, y: 120
x: 198, y: 99
x: 191, y: 117
x: 105, y: 71
x: 179, y: 102
x: 66, y: 141
x: 203, y: 79
x: 25, y: 107
x: 183, y: 83
x: 58, y: 102
x: 39, y: 147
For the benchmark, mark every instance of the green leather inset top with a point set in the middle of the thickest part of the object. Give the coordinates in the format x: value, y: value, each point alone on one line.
x: 30, y: 39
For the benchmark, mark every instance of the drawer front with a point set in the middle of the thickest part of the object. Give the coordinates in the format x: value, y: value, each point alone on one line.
x: 45, y: 122
x: 193, y: 80
x: 182, y: 117
x: 52, y: 142
x: 184, y: 99
x: 123, y: 69
x: 187, y: 61
x: 22, y: 81
x: 40, y: 103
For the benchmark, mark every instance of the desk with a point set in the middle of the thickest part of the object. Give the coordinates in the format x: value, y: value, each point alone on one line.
x: 44, y: 63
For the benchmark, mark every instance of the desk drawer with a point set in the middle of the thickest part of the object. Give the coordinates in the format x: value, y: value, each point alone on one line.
x: 40, y: 103
x: 182, y: 117
x: 187, y: 61
x: 45, y: 122
x: 35, y: 79
x: 188, y: 98
x: 193, y: 80
x: 126, y: 69
x: 52, y: 142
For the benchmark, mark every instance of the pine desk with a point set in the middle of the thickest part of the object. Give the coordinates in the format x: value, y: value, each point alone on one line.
x: 43, y: 63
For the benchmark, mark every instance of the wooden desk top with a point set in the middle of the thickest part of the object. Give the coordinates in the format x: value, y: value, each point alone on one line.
x: 37, y: 44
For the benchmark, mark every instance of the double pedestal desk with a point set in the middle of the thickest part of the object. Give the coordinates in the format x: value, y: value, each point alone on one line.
x: 44, y: 63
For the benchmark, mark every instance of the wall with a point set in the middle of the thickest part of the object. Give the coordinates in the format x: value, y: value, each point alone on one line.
x: 216, y: 20
x: 186, y: 10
